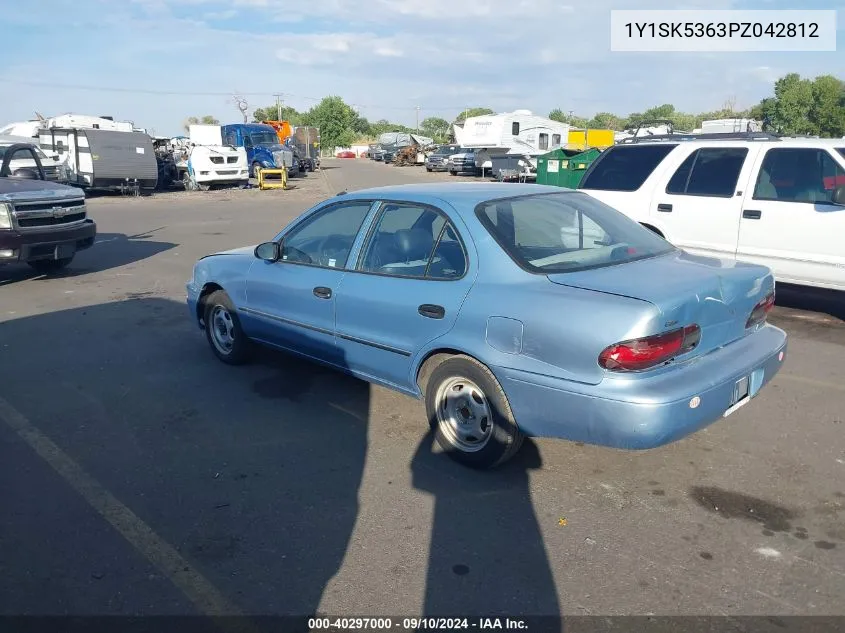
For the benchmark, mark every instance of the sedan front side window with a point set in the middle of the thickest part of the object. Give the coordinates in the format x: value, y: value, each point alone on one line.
x: 326, y: 239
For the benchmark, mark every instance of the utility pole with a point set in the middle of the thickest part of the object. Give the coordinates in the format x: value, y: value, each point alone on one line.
x: 418, y: 118
x: 278, y: 107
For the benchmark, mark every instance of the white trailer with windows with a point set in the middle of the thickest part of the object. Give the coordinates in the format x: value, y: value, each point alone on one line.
x: 103, y: 159
x: 503, y: 138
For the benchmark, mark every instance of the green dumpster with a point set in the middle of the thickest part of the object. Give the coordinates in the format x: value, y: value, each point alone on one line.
x: 564, y: 167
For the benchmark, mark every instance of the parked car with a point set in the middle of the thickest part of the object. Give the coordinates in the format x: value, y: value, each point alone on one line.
x: 389, y: 155
x: 752, y: 197
x: 438, y: 160
x: 463, y: 163
x: 454, y: 293
x: 346, y: 154
x: 42, y: 223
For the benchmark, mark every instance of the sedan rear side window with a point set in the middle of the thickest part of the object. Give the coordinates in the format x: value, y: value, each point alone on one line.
x: 413, y: 240
x: 559, y: 233
x: 710, y: 171
x: 624, y: 168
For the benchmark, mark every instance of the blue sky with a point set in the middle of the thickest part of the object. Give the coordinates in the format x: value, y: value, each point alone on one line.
x: 165, y: 60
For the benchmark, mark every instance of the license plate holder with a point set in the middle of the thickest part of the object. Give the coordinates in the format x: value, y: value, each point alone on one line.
x: 63, y: 251
x: 741, y: 395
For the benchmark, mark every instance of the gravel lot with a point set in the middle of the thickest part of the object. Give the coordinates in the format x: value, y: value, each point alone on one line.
x: 142, y: 476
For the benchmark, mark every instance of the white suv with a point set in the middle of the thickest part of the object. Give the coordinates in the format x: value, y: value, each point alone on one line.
x: 774, y: 201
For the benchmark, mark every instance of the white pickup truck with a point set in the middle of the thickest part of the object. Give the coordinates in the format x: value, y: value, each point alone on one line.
x: 768, y: 200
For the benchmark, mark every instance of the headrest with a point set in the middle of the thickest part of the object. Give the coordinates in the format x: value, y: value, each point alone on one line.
x: 414, y: 243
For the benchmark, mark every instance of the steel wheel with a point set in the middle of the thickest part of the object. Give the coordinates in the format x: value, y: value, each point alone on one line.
x: 463, y: 414
x: 222, y: 329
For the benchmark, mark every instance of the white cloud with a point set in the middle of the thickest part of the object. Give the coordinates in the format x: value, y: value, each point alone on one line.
x: 386, y: 56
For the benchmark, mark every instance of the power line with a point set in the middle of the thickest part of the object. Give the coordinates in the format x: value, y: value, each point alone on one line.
x: 182, y: 93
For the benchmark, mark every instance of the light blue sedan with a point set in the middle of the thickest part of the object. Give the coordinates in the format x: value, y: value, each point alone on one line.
x: 513, y: 309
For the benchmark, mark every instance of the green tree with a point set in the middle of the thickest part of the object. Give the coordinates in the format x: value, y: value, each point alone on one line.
x: 794, y: 101
x: 665, y: 111
x: 271, y: 113
x: 561, y: 117
x: 605, y: 121
x: 204, y: 120
x: 383, y: 126
x: 471, y: 112
x: 335, y: 118
x: 827, y: 112
x: 436, y: 128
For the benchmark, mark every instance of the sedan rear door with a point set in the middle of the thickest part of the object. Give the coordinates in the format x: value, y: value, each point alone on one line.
x: 407, y: 287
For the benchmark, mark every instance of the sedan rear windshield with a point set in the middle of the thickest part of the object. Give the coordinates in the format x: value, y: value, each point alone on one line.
x: 625, y: 167
x: 567, y: 232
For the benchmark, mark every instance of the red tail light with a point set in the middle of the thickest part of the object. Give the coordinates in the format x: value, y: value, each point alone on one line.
x: 761, y: 310
x: 642, y: 353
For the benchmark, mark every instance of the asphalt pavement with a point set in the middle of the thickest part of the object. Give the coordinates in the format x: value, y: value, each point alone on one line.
x: 141, y: 476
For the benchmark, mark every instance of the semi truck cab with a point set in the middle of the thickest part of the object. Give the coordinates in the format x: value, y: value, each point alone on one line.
x: 263, y: 149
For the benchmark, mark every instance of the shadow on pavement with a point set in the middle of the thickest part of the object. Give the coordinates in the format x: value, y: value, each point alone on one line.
x: 818, y: 300
x: 252, y: 473
x: 110, y: 250
x: 487, y: 556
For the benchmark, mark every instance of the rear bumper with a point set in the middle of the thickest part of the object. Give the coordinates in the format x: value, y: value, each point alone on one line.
x: 642, y: 412
x: 29, y: 246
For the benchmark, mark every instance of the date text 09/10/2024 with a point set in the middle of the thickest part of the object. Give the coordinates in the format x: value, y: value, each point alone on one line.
x: 416, y: 624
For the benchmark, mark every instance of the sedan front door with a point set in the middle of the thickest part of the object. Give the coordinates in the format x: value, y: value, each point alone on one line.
x: 410, y: 281
x: 291, y: 302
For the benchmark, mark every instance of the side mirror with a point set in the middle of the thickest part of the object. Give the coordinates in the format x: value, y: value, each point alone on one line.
x: 839, y: 195
x: 55, y: 158
x: 269, y: 251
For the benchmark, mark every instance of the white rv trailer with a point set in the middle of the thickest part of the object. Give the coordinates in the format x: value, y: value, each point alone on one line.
x: 510, y: 137
x: 84, y: 121
x: 103, y: 159
x: 729, y: 125
x: 24, y: 129
x: 202, y: 159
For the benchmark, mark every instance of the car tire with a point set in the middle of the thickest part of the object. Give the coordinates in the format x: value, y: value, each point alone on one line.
x: 469, y: 414
x: 47, y: 266
x: 453, y: 173
x: 223, y: 330
x: 428, y: 169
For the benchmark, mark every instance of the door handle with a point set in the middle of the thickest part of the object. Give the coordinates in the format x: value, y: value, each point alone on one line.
x: 752, y: 214
x: 664, y: 208
x: 432, y: 311
x: 321, y: 292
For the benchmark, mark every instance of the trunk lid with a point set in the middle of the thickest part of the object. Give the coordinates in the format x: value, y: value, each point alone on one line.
x: 718, y: 295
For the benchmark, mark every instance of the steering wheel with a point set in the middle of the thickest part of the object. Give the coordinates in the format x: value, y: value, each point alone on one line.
x: 325, y: 251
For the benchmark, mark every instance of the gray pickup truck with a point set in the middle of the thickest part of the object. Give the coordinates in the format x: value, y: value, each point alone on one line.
x: 42, y: 223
